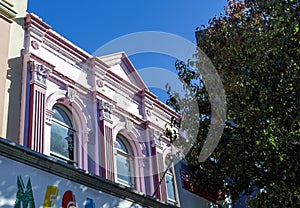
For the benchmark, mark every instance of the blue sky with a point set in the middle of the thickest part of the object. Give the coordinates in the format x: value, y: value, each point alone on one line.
x: 92, y: 23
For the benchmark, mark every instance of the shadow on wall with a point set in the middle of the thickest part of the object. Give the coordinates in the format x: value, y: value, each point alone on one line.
x: 20, y: 21
x: 14, y: 75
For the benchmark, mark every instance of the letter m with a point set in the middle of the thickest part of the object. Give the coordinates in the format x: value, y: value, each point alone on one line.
x: 24, y: 195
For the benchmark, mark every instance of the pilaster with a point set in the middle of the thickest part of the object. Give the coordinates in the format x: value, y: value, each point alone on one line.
x: 39, y: 74
x: 107, y: 141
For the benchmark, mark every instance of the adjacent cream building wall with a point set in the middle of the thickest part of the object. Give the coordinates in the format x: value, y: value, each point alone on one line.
x: 6, y: 14
x: 12, y: 21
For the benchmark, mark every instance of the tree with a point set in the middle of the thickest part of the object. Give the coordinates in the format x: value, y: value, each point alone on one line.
x: 255, y: 47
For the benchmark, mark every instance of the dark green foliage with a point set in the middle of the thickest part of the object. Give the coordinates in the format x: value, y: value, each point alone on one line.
x: 255, y: 47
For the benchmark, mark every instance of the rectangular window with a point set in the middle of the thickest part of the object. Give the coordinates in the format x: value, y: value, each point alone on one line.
x: 59, y: 141
x: 123, y: 170
x: 170, y: 187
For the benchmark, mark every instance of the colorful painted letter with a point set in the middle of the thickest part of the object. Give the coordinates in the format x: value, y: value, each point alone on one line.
x: 24, y: 195
x: 51, y: 194
x: 89, y: 203
x: 68, y: 200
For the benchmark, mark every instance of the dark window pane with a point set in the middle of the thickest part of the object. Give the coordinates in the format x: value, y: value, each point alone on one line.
x: 62, y: 134
x: 121, y: 145
x: 61, y: 116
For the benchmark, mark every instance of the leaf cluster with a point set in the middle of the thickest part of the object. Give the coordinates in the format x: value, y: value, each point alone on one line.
x: 255, y: 47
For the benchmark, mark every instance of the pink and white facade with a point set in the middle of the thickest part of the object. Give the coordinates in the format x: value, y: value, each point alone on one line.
x: 95, y: 113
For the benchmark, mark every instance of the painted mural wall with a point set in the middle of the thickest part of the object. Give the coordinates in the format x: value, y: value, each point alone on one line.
x: 22, y: 186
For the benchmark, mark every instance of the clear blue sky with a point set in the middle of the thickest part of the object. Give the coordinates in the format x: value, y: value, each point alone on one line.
x: 91, y: 23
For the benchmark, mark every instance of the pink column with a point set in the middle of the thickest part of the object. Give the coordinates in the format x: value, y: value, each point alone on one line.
x: 107, y: 145
x: 38, y: 88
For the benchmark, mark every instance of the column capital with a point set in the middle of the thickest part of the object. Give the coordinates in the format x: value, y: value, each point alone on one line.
x: 39, y: 73
x: 105, y: 110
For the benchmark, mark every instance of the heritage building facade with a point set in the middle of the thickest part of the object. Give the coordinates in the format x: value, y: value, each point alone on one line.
x: 72, y: 124
x: 95, y: 113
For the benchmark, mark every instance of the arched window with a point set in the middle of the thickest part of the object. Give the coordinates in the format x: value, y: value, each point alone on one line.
x: 124, y: 162
x: 62, y: 135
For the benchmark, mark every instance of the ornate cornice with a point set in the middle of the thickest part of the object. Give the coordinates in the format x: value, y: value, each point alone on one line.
x: 6, y: 10
x: 54, y: 40
x: 41, y: 61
